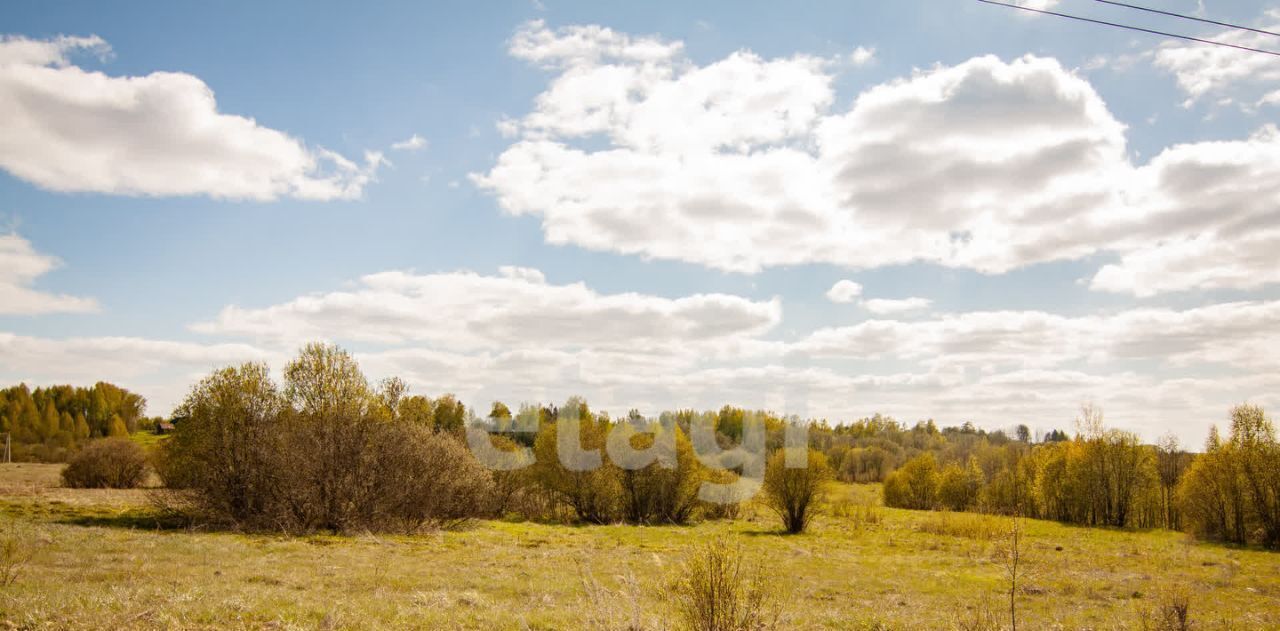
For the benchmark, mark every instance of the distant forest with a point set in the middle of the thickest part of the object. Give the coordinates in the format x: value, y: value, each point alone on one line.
x: 1098, y: 476
x: 49, y: 424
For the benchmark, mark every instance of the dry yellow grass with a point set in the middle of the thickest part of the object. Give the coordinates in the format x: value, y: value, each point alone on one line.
x: 100, y: 565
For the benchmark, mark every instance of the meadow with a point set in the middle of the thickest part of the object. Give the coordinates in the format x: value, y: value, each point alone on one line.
x: 103, y: 559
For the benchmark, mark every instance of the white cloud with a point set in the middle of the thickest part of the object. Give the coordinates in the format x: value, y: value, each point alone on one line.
x: 162, y: 371
x: 516, y: 309
x: 740, y: 165
x: 515, y: 336
x: 1208, y: 219
x: 862, y: 56
x: 65, y: 128
x: 889, y: 306
x: 20, y: 266
x: 412, y: 143
x: 580, y: 45
x: 743, y: 164
x: 1041, y: 5
x: 844, y: 291
x: 1202, y: 69
x: 1243, y: 335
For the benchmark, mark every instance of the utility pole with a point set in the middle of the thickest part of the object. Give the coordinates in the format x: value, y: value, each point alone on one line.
x: 8, y: 456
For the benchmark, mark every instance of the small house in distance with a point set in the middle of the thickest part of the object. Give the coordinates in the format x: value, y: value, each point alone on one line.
x: 163, y: 426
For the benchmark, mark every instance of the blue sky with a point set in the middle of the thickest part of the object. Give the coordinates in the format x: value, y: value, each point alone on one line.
x: 158, y: 256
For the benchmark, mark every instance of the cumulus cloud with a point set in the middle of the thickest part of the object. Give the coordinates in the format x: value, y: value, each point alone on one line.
x: 844, y: 291
x: 1208, y: 219
x: 1242, y: 335
x: 740, y: 164
x: 516, y: 308
x: 515, y: 336
x: 862, y: 56
x: 65, y: 128
x: 162, y: 371
x: 1203, y: 70
x: 889, y: 306
x: 744, y: 163
x: 412, y: 143
x: 20, y: 266
x: 583, y: 45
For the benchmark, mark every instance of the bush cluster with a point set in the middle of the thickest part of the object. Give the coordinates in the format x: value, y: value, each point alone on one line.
x: 326, y: 452
x: 107, y: 463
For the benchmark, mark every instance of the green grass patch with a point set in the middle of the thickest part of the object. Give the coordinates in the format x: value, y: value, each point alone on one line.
x: 102, y: 565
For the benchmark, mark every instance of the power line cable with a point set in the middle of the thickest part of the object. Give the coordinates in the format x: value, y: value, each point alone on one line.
x: 1132, y: 28
x: 1188, y: 17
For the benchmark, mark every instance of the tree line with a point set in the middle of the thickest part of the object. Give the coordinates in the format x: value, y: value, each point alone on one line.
x: 327, y: 451
x: 1109, y: 477
x: 49, y: 424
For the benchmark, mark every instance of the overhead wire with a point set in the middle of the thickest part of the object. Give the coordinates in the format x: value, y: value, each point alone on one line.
x: 1131, y: 27
x: 1189, y: 17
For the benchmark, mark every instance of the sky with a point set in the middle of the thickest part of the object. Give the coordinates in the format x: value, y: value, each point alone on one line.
x: 935, y: 209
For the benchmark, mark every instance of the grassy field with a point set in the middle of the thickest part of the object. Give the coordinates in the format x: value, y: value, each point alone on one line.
x: 101, y: 562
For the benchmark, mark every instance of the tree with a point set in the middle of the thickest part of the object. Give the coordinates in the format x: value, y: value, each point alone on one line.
x: 82, y: 427
x: 449, y: 414
x: 959, y: 487
x: 570, y: 463
x: 1171, y: 462
x: 1023, y: 434
x: 1258, y: 457
x: 729, y: 422
x: 416, y: 410
x: 794, y: 492
x: 664, y: 490
x: 1232, y: 491
x: 391, y: 391
x: 116, y: 427
x: 914, y: 485
x: 28, y: 425
x: 332, y: 417
x: 1013, y: 562
x: 99, y: 413
x: 49, y: 421
x: 226, y: 449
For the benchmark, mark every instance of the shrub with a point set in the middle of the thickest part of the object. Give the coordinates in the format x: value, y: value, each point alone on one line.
x: 327, y: 453
x: 715, y: 590
x: 109, y: 463
x: 423, y: 478
x: 514, y: 491
x: 18, y: 546
x: 226, y: 449
x: 621, y: 609
x: 793, y: 493
x: 662, y: 491
x: 1232, y: 491
x: 1171, y: 611
x: 979, y: 617
x: 967, y: 525
x: 914, y: 485
x: 959, y: 487
x: 591, y: 490
x: 720, y: 510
